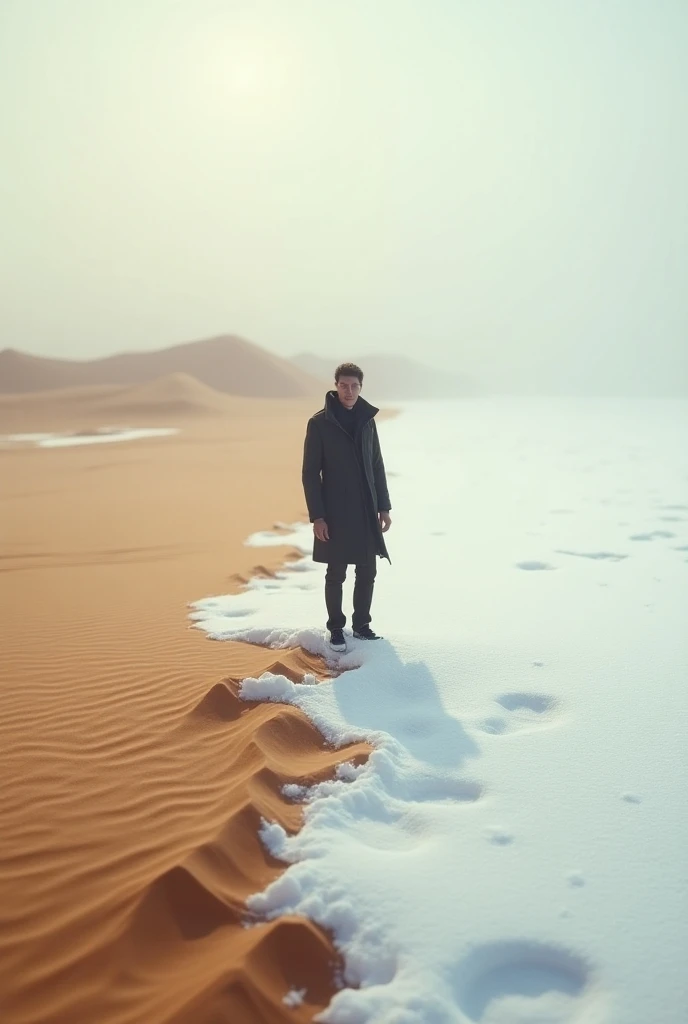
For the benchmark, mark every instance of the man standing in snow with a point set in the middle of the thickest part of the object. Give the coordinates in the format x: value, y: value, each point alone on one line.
x: 348, y: 503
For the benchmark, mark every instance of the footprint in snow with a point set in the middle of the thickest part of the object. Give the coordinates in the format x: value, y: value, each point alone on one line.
x: 597, y: 555
x: 523, y: 712
x: 494, y: 725
x: 522, y: 981
x: 536, y: 702
x: 498, y: 836
x: 652, y: 535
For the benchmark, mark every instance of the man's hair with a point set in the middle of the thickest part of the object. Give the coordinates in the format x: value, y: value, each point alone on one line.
x: 348, y: 370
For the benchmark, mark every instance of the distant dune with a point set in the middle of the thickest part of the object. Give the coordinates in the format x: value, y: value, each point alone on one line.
x: 171, y: 400
x: 175, y: 395
x: 226, y: 364
x: 393, y: 377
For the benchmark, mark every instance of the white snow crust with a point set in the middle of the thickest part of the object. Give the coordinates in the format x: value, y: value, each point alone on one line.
x: 514, y: 850
x: 103, y: 435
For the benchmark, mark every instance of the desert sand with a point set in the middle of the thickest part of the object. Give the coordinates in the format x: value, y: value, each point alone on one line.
x: 134, y: 777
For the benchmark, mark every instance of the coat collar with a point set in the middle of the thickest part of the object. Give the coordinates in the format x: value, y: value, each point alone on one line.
x: 365, y: 410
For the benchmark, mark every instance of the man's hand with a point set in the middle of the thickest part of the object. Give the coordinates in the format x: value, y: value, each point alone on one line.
x: 320, y: 530
x: 385, y: 521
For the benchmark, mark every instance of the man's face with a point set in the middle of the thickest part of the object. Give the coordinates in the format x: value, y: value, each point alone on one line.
x: 348, y: 389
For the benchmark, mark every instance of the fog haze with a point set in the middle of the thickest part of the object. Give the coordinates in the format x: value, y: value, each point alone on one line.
x: 497, y: 188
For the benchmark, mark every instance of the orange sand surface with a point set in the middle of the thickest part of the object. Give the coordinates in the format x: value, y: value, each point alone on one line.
x: 134, y: 778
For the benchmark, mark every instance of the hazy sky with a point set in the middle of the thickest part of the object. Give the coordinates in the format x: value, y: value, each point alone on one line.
x: 498, y: 186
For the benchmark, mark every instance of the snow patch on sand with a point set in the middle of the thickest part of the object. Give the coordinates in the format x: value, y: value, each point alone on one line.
x: 100, y: 435
x: 513, y: 850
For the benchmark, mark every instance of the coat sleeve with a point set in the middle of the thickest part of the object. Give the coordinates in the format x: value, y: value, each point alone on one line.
x: 379, y: 475
x: 311, y: 473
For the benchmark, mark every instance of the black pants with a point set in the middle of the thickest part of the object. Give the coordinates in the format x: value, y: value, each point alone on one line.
x: 363, y: 593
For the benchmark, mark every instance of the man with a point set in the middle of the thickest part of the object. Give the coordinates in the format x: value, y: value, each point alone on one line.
x: 348, y: 503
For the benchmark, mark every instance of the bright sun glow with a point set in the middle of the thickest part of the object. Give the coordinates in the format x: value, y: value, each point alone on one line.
x: 247, y: 77
x: 247, y: 67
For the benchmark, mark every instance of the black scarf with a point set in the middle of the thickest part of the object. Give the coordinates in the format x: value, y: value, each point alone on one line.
x: 348, y: 418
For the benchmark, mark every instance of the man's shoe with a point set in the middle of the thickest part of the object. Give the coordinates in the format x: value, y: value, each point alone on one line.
x: 366, y: 633
x: 337, y: 641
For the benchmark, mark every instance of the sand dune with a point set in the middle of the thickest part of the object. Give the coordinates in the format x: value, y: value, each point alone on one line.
x: 135, y: 778
x: 174, y: 395
x: 175, y: 399
x: 225, y: 363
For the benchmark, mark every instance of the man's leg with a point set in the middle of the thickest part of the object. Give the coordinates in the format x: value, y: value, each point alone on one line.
x: 334, y: 578
x: 363, y: 592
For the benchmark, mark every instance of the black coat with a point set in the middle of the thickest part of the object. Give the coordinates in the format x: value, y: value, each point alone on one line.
x: 345, y: 484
